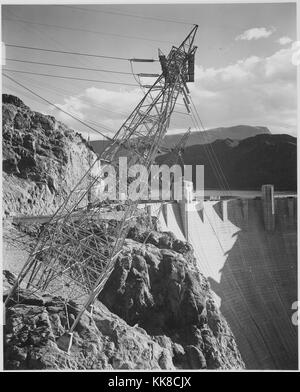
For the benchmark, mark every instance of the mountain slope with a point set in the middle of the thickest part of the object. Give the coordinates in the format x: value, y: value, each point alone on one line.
x: 247, y: 164
x: 238, y: 132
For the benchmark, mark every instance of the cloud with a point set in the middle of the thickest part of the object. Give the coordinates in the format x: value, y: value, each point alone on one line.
x: 102, y: 109
x: 252, y: 91
x: 255, y: 33
x: 284, y: 40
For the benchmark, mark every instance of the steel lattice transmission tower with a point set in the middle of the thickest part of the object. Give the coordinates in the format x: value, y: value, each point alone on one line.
x: 175, y: 152
x: 76, y: 251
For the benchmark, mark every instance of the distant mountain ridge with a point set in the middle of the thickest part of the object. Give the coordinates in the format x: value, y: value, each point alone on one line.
x: 247, y: 156
x: 246, y: 164
x: 237, y: 132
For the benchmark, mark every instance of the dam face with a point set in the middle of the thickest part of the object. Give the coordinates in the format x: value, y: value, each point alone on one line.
x: 251, y: 263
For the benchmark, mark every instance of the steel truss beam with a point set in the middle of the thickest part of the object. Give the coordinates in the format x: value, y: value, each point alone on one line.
x: 76, y: 251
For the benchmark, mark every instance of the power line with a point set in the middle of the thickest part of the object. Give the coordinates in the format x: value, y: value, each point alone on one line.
x: 72, y: 53
x: 57, y: 107
x: 98, y: 124
x: 129, y: 15
x: 70, y: 77
x: 63, y: 91
x: 67, y: 113
x: 69, y: 66
x: 86, y: 30
x: 60, y: 46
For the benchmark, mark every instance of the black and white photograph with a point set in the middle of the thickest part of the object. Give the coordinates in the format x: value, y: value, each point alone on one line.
x: 149, y: 189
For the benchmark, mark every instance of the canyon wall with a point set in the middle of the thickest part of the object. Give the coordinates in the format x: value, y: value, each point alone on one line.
x: 43, y: 160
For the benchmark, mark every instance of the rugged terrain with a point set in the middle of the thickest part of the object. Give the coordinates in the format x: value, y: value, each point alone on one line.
x: 42, y: 159
x: 248, y: 163
x: 156, y: 311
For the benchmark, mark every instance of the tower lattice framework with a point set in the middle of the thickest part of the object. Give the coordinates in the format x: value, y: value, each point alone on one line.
x: 76, y: 251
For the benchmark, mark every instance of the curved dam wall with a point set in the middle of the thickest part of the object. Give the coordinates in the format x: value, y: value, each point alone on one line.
x: 250, y: 259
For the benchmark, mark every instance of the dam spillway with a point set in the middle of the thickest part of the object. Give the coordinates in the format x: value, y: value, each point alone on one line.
x: 252, y: 268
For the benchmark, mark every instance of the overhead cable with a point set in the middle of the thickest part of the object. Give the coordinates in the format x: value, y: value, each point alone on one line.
x: 72, y: 53
x: 86, y: 30
x: 69, y: 66
x: 70, y: 77
x: 129, y: 15
x: 57, y: 107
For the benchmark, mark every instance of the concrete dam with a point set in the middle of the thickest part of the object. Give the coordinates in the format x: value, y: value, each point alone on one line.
x: 247, y: 248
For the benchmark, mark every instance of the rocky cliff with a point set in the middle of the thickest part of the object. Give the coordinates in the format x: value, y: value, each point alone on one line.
x: 103, y: 341
x: 42, y: 159
x: 156, y: 312
x: 159, y: 287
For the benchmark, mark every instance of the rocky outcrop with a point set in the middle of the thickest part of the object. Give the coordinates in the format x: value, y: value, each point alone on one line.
x: 156, y: 311
x: 103, y: 341
x: 159, y: 287
x: 42, y: 159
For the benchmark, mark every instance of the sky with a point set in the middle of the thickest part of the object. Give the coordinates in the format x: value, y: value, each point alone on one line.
x: 244, y: 73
